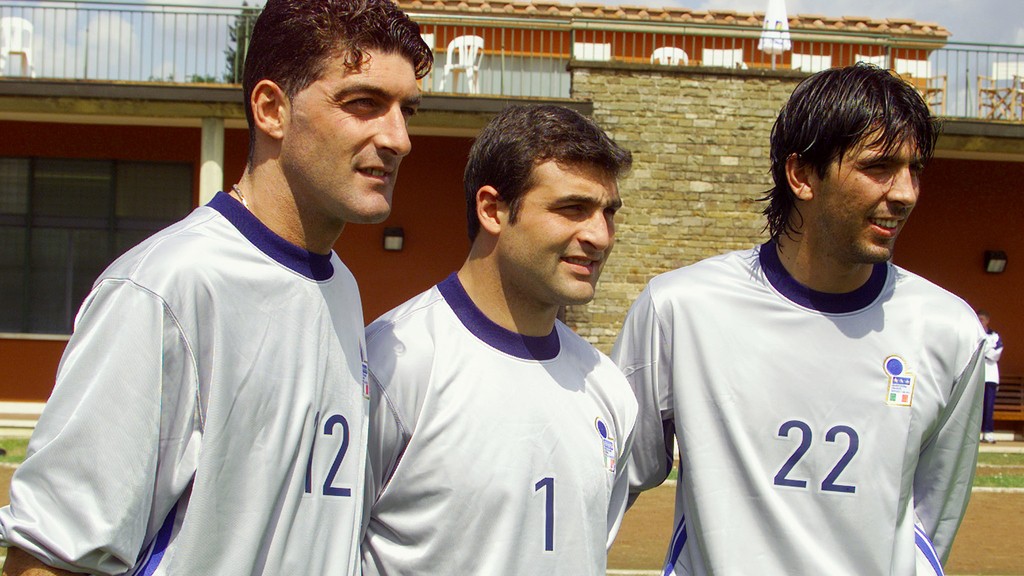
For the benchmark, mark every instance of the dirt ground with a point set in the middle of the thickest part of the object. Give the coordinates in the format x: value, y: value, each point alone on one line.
x: 5, y: 482
x: 990, y: 541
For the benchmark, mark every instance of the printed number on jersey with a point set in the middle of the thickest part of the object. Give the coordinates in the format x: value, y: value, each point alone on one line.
x: 802, y: 432
x: 547, y: 485
x: 336, y: 428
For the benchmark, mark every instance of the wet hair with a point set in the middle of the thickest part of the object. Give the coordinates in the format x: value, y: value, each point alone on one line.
x: 834, y: 111
x: 522, y: 137
x: 293, y: 40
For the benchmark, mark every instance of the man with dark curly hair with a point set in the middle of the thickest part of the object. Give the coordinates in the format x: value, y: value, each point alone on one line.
x: 211, y: 408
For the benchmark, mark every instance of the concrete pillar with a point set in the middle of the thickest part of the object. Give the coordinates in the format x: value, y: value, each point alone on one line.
x: 211, y: 171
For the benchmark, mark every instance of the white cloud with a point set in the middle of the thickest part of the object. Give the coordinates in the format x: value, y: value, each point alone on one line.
x: 110, y: 48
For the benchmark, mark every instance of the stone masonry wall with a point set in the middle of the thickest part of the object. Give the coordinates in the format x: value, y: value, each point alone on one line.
x: 700, y: 163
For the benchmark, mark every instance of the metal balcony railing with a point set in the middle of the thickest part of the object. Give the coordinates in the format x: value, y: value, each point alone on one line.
x: 493, y: 55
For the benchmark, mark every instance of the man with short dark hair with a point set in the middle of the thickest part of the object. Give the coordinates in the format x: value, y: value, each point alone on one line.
x: 210, y: 411
x: 497, y: 435
x: 824, y: 401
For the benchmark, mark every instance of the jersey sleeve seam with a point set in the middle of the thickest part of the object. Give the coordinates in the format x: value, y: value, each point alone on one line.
x: 200, y: 413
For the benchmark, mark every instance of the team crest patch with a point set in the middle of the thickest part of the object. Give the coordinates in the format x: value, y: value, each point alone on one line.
x: 901, y: 382
x: 607, y: 444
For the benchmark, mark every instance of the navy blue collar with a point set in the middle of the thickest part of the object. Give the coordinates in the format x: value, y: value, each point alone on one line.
x: 511, y: 343
x: 311, y: 265
x: 825, y: 302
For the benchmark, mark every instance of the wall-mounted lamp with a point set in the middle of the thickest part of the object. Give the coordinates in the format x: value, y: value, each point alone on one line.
x: 995, y: 261
x: 394, y: 238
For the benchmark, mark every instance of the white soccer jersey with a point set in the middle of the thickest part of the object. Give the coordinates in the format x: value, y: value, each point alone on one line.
x: 491, y: 452
x: 818, y: 433
x: 209, y: 415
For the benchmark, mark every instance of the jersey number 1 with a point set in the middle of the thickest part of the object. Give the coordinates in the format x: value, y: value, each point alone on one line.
x: 548, y: 485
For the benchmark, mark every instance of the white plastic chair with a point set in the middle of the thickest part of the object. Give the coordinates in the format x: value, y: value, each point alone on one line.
x: 16, y: 40
x: 463, y: 56
x: 669, y: 56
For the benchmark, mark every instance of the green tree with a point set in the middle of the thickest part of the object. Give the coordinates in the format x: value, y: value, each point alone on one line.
x: 240, y: 31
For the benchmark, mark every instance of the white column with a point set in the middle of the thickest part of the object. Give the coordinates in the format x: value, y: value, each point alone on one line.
x: 211, y: 172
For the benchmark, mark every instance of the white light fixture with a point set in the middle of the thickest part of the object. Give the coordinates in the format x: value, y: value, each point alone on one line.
x: 995, y: 261
x: 394, y: 238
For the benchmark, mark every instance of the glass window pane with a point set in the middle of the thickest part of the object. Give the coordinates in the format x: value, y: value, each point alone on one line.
x: 14, y: 185
x: 72, y: 188
x: 48, y: 273
x: 65, y: 264
x: 154, y: 190
x: 125, y: 240
x: 49, y: 265
x: 91, y: 256
x: 12, y: 279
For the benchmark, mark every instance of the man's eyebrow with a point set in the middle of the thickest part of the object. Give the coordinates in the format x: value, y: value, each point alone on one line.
x: 376, y: 91
x: 875, y: 157
x: 582, y: 199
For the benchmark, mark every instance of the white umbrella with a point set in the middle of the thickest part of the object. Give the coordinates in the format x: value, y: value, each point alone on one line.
x: 775, y: 34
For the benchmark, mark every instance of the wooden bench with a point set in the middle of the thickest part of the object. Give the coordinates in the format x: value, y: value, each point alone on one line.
x: 1010, y: 399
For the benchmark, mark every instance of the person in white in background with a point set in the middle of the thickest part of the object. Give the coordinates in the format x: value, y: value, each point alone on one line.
x: 993, y: 351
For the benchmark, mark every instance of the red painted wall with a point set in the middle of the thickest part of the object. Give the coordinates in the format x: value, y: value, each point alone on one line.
x: 430, y: 206
x: 29, y: 368
x: 967, y: 207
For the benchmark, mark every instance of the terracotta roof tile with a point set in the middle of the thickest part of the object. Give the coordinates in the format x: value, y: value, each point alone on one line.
x: 551, y: 9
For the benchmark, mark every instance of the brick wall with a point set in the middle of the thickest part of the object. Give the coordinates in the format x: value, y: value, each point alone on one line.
x: 700, y: 162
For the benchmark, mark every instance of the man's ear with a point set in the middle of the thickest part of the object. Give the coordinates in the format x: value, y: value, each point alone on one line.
x: 491, y: 210
x: 270, y: 108
x: 802, y: 177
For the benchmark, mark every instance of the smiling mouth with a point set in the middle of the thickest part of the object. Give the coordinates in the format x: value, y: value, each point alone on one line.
x: 885, y: 222
x: 375, y: 172
x: 587, y: 263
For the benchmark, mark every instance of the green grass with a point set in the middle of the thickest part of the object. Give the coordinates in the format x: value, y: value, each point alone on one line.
x: 1000, y: 470
x: 15, y: 448
x: 1001, y: 458
x: 1000, y: 480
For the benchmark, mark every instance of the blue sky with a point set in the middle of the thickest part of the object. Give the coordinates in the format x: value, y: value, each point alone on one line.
x: 983, y: 21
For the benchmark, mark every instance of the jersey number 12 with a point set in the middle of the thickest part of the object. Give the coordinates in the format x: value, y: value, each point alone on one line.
x: 331, y: 424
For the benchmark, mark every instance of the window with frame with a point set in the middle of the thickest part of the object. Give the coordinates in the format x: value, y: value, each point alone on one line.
x: 63, y: 221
